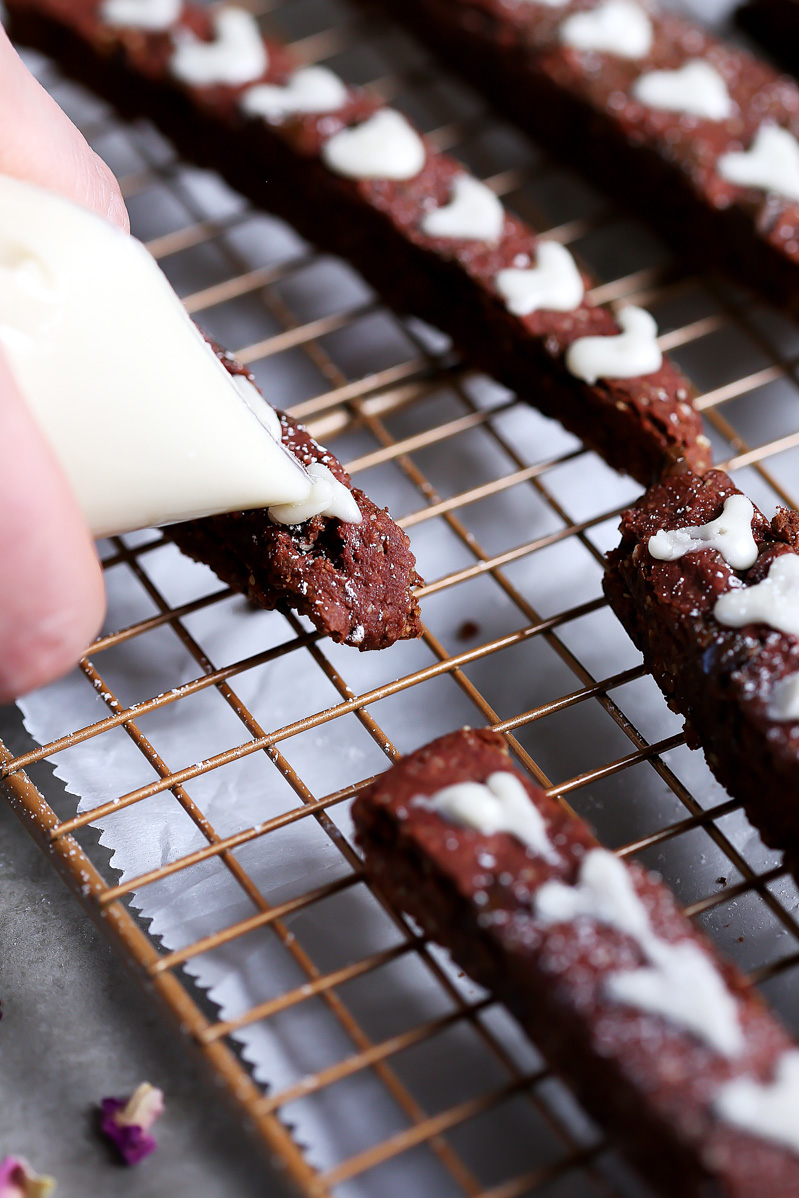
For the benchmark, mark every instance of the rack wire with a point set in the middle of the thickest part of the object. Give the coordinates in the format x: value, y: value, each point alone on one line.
x: 510, y: 517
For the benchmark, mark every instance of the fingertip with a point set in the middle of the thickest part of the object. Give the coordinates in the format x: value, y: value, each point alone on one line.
x: 107, y: 199
x: 86, y: 178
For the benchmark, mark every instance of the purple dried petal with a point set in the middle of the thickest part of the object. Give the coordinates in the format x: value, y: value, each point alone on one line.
x: 18, y: 1180
x: 126, y: 1123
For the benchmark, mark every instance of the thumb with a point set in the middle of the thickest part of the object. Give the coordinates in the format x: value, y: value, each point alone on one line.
x: 42, y: 145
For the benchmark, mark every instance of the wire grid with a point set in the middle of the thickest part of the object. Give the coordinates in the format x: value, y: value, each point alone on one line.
x: 509, y: 618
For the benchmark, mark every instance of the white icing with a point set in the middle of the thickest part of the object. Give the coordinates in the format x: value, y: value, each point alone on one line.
x: 774, y: 601
x: 604, y: 892
x: 146, y: 422
x: 328, y: 497
x: 258, y: 406
x: 500, y: 804
x: 682, y: 985
x: 474, y: 213
x: 141, y: 14
x: 730, y: 533
x: 784, y: 699
x: 631, y: 353
x: 554, y: 283
x: 618, y: 27
x: 236, y: 55
x: 385, y: 146
x: 696, y: 88
x: 310, y: 89
x: 771, y: 163
x: 680, y: 982
x: 769, y: 1111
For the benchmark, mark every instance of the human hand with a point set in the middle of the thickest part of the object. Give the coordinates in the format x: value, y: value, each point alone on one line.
x: 51, y: 588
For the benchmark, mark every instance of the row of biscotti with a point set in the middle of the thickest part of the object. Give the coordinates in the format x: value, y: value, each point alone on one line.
x: 664, y: 1042
x: 335, y: 558
x: 357, y: 178
x: 699, y: 135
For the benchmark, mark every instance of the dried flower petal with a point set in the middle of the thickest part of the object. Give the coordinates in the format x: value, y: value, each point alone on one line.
x: 127, y: 1123
x: 18, y: 1180
x: 143, y: 1108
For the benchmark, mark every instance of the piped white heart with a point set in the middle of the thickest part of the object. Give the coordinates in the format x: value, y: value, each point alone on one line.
x: 696, y: 89
x: 769, y: 1111
x: 236, y: 55
x: 141, y: 14
x: 554, y: 283
x: 631, y: 353
x: 603, y: 892
x: 385, y: 146
x: 618, y: 27
x: 680, y: 982
x: 771, y: 163
x: 683, y: 986
x: 774, y: 601
x: 328, y: 497
x: 310, y: 89
x: 474, y: 213
x: 730, y: 533
x: 500, y: 804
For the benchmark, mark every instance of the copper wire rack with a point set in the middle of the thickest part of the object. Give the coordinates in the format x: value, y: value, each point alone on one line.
x: 510, y: 517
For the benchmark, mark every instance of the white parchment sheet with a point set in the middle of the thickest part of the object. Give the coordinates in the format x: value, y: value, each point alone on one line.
x: 304, y: 854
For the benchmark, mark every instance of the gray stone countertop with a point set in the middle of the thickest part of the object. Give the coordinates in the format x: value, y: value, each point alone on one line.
x: 78, y: 1026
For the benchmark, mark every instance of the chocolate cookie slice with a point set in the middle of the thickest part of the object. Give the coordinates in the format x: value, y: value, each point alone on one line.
x: 708, y: 590
x: 664, y: 1042
x: 353, y: 577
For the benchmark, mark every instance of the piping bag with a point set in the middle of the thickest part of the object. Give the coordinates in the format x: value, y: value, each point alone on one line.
x: 146, y: 422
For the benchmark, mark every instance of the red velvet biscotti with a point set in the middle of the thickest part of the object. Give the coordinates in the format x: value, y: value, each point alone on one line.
x: 356, y: 178
x: 708, y: 590
x: 696, y: 134
x: 663, y: 1040
x: 337, y: 559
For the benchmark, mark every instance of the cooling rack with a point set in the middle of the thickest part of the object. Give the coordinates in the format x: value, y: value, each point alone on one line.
x: 390, y: 1073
